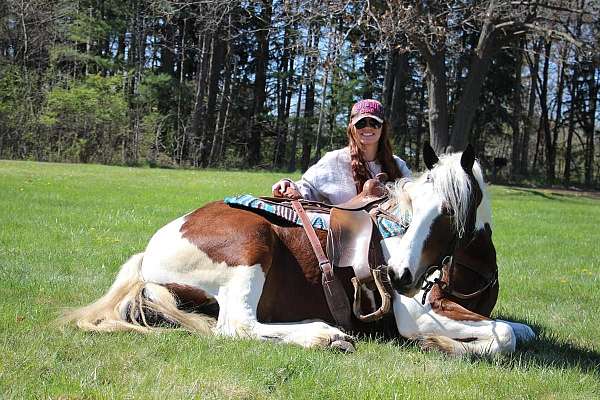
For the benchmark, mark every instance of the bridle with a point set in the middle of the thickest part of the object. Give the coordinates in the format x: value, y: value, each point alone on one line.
x: 447, y: 288
x: 450, y: 264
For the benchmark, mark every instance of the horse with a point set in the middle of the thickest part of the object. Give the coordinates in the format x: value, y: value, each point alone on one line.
x: 452, y: 313
x: 232, y: 272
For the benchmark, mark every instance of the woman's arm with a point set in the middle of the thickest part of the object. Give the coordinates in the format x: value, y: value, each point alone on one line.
x: 312, y: 181
x: 404, y: 170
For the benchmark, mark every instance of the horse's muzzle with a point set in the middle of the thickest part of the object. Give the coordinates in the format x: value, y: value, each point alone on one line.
x: 402, y: 284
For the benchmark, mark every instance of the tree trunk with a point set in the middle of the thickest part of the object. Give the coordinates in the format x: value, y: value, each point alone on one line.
x: 294, y: 144
x: 399, y: 115
x: 309, y: 112
x: 545, y: 116
x: 324, y: 84
x: 574, y: 93
x: 201, y: 72
x: 420, y: 128
x: 590, y: 126
x: 224, y: 100
x: 469, y: 99
x: 517, y: 113
x: 369, y: 67
x: 309, y: 101
x: 167, y: 46
x: 552, y: 141
x: 225, y: 118
x: 263, y: 23
x: 529, y: 129
x: 437, y: 92
x: 388, y: 82
x: 216, y: 65
x: 569, y: 146
x: 282, y: 98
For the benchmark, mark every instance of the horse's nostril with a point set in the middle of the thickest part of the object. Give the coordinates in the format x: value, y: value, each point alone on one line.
x: 406, y: 278
x: 401, y: 283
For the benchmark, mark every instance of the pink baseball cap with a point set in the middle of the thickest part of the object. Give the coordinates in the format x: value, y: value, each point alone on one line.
x: 367, y: 108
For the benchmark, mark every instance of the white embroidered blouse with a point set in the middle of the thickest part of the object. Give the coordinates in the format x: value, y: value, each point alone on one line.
x: 330, y: 179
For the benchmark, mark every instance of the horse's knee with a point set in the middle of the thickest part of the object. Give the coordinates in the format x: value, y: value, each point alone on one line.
x: 505, y: 336
x: 409, y: 332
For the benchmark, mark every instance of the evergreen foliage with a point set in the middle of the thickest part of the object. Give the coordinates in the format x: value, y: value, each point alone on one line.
x: 269, y: 83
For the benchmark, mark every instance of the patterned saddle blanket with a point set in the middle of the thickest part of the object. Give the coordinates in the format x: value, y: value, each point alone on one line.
x: 319, y: 218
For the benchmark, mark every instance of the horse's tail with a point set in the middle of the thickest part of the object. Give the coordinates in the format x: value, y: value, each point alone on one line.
x: 129, y: 303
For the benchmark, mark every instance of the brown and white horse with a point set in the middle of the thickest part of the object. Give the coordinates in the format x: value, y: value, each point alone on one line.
x: 232, y: 272
x: 452, y: 216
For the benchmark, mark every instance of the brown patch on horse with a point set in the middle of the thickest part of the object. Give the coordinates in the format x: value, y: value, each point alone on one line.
x: 230, y: 235
x: 293, y: 284
x: 443, y: 306
x: 292, y: 289
x: 475, y: 266
x: 189, y: 295
x: 192, y: 299
x: 440, y: 241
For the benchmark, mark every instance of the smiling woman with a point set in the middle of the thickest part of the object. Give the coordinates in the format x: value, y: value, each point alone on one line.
x: 341, y: 174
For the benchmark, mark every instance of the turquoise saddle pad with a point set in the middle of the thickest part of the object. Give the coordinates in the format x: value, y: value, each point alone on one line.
x: 387, y: 228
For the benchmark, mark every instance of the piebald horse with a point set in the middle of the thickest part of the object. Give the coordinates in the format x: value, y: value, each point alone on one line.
x: 452, y: 216
x: 227, y: 271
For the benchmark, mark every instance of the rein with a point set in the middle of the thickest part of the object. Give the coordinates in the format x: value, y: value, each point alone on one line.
x: 447, y: 288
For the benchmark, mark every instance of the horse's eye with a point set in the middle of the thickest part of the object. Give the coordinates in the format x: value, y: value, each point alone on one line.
x: 429, y: 178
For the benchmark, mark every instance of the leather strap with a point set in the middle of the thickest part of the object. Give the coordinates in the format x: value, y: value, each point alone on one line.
x: 324, y: 263
x: 336, y: 297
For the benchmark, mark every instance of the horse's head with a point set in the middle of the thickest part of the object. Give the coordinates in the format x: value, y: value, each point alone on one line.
x: 448, y: 204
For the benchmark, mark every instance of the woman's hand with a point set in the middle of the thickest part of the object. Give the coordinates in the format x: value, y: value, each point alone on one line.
x: 286, y: 188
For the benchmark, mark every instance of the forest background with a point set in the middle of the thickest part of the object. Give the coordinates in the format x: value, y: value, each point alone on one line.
x: 269, y: 83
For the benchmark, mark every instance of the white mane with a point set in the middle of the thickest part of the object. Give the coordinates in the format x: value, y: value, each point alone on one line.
x: 399, y: 203
x: 453, y: 185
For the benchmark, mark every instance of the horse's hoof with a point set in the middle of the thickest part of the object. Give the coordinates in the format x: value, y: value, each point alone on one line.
x: 343, y: 346
x: 524, y: 333
x: 343, y: 337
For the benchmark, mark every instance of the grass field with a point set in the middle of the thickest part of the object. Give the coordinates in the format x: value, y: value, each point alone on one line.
x: 65, y: 230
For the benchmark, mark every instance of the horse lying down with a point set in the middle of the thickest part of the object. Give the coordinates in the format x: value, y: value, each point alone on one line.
x: 228, y: 271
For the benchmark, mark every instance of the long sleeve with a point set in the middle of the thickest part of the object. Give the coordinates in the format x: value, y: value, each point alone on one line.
x: 329, y: 180
x: 404, y: 170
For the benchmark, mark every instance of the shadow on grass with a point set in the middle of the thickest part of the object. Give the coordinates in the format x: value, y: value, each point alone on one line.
x: 548, y: 350
x: 545, y: 351
x: 537, y: 193
x: 554, y: 195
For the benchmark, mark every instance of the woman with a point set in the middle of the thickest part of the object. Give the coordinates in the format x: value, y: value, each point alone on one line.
x: 341, y: 174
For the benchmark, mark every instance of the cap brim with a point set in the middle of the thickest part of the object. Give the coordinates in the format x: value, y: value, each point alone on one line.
x: 358, y: 117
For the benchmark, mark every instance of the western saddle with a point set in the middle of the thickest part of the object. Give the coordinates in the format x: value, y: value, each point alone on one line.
x: 351, y: 242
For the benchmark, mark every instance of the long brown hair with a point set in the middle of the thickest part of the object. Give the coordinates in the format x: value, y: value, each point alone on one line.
x: 385, y: 157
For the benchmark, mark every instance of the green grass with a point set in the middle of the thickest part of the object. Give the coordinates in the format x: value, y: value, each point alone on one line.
x: 66, y: 229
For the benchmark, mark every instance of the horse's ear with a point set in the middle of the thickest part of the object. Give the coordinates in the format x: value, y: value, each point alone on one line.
x: 468, y: 158
x: 429, y: 156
